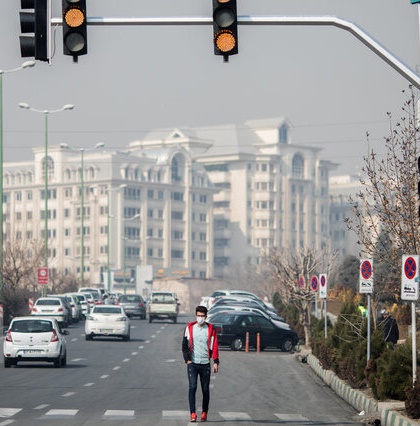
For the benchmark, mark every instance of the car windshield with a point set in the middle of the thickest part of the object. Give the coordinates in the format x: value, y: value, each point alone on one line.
x: 107, y: 310
x: 129, y: 298
x: 32, y: 326
x: 48, y: 302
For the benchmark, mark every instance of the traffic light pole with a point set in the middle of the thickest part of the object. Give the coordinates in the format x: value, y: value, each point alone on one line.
x: 333, y: 21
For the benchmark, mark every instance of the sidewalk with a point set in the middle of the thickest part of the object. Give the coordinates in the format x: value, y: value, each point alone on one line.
x: 387, y: 412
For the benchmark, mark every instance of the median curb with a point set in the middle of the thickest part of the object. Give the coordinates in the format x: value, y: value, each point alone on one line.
x: 358, y: 399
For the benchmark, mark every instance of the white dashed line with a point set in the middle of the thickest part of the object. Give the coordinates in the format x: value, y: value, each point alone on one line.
x: 141, y: 347
x: 117, y: 367
x: 134, y: 353
x: 126, y: 359
x: 7, y: 422
x: 9, y: 412
x: 152, y: 336
x: 105, y: 376
x: 68, y: 394
x: 59, y: 412
x: 41, y: 407
x: 89, y: 384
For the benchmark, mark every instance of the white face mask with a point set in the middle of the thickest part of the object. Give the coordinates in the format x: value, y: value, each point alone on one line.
x: 201, y: 320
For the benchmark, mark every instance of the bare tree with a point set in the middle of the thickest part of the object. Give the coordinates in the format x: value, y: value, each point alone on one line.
x: 385, y: 213
x: 287, y: 268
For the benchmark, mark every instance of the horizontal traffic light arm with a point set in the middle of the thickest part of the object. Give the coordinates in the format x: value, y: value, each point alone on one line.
x: 333, y: 21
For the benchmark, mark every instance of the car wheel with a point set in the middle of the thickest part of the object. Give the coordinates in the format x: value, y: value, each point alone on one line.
x: 150, y: 319
x: 237, y: 343
x: 57, y: 362
x: 287, y: 345
x: 126, y: 338
x: 88, y: 337
x: 174, y: 320
x: 64, y: 360
x: 7, y: 362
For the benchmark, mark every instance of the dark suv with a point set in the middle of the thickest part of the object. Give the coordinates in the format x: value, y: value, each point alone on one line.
x: 232, y: 327
x: 133, y: 305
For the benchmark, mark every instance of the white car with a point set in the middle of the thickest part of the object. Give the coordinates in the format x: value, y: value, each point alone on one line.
x: 52, y: 307
x: 35, y: 339
x: 107, y: 320
x: 84, y: 304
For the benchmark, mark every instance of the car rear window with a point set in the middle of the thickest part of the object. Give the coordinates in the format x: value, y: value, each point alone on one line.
x: 130, y: 298
x: 106, y: 310
x: 163, y: 298
x: 47, y: 302
x: 32, y: 326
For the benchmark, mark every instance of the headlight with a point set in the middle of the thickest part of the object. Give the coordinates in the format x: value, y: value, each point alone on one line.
x: 91, y: 318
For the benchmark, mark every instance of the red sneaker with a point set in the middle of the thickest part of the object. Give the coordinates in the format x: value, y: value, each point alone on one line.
x: 203, y: 416
x: 193, y: 417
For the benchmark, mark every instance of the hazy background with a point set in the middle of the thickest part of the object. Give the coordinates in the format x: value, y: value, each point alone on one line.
x: 134, y: 79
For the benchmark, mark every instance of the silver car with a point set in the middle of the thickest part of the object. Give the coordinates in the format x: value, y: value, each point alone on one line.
x: 133, y: 304
x: 52, y: 307
x: 35, y: 339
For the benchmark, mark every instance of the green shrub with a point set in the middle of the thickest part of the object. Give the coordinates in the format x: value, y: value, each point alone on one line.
x: 412, y: 402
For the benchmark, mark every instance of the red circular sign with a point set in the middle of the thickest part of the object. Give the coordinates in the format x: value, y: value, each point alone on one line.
x: 410, y: 268
x: 301, y: 282
x: 314, y: 283
x: 323, y: 281
x: 366, y: 269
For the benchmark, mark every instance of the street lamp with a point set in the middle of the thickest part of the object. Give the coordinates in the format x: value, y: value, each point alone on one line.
x: 27, y: 64
x: 124, y: 247
x: 108, y: 250
x: 46, y: 114
x: 82, y: 200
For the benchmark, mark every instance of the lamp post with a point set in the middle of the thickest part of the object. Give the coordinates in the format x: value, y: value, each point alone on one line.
x: 124, y: 246
x: 82, y: 201
x: 108, y: 250
x: 46, y: 114
x: 27, y: 64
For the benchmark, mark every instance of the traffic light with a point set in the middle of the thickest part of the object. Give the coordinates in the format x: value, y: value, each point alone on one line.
x: 225, y: 28
x: 37, y: 22
x: 74, y: 28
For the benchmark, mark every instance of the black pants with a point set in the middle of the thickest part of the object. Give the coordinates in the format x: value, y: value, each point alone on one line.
x: 195, y: 370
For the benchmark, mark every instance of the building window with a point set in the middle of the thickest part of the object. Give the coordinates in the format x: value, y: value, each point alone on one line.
x: 298, y: 166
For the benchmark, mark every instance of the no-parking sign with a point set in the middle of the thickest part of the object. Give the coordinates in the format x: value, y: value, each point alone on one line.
x: 323, y: 286
x: 409, y: 277
x: 301, y: 282
x: 366, y: 276
x: 314, y: 283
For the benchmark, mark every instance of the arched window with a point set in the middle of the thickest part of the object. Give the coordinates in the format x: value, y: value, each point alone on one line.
x: 177, y: 168
x: 298, y: 165
x: 283, y: 134
x: 50, y: 167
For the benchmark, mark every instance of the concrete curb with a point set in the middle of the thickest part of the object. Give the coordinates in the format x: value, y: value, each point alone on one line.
x: 359, y: 400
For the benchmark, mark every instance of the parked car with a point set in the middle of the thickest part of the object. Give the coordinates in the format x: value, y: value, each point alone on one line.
x: 76, y: 307
x: 133, y: 304
x: 35, y: 339
x: 107, y: 320
x: 52, y: 307
x: 232, y: 328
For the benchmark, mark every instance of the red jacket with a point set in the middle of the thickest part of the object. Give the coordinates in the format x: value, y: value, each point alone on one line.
x: 188, y: 343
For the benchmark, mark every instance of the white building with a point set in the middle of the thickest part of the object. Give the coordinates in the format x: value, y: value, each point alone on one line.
x: 198, y: 202
x: 155, y: 207
x: 272, y: 193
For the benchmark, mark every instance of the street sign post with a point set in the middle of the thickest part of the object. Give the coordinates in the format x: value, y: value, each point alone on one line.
x: 323, y: 286
x: 43, y: 276
x: 409, y: 277
x: 366, y: 276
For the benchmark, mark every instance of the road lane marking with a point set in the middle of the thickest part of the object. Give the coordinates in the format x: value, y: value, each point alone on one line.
x: 61, y: 412
x: 119, y: 413
x: 7, y: 422
x: 9, y: 412
x: 68, y: 394
x: 141, y: 347
x: 105, y: 376
x: 179, y: 414
x: 78, y: 359
x: 41, y: 407
x: 126, y: 359
x: 152, y: 336
x: 116, y: 368
x: 171, y: 360
x: 147, y: 341
x: 291, y: 417
x: 134, y: 353
x: 231, y: 416
x: 75, y: 339
x: 89, y: 384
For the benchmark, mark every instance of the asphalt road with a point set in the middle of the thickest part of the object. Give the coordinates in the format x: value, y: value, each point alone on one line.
x: 144, y: 382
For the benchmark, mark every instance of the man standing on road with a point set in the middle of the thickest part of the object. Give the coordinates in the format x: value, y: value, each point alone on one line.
x: 199, y: 346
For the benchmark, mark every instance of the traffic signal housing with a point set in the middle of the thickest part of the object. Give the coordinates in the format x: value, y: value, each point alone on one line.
x: 36, y: 21
x: 74, y: 28
x: 225, y: 28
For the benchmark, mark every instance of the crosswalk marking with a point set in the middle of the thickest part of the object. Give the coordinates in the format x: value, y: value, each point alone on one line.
x: 235, y: 416
x: 61, y: 412
x: 292, y: 417
x: 9, y: 412
x: 119, y: 413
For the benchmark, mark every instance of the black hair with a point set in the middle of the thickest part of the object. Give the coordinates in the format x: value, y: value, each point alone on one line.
x: 201, y: 309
